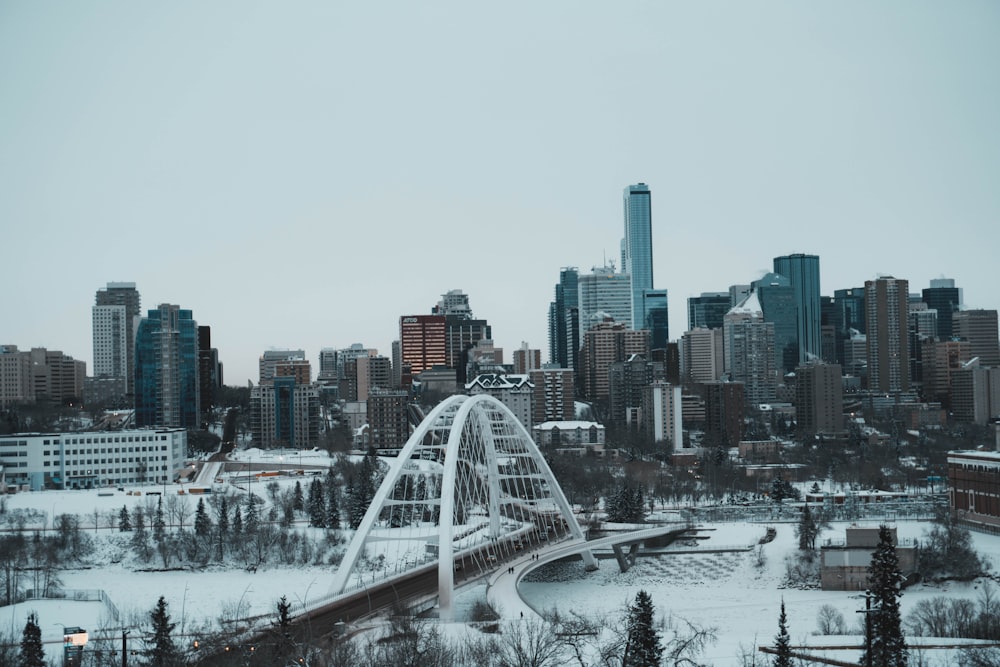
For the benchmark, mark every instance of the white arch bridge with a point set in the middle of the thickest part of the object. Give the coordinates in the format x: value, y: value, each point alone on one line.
x: 468, y: 491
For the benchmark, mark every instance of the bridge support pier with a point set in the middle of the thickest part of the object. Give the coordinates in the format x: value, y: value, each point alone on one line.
x: 625, y: 561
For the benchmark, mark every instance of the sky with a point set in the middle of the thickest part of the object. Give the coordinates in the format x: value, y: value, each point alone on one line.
x: 300, y: 175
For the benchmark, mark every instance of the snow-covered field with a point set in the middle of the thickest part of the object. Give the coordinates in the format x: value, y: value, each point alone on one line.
x: 731, y: 592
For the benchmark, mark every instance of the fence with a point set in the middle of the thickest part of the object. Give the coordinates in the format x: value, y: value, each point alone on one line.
x: 77, y: 594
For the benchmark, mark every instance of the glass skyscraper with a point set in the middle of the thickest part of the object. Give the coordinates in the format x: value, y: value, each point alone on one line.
x: 802, y: 272
x: 638, y: 246
x: 166, y: 368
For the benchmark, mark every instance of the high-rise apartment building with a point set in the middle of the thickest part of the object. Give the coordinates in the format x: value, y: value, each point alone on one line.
x: 15, y: 377
x: 374, y: 373
x: 114, y: 316
x: 886, y: 305
x: 604, y: 294
x: 603, y: 345
x: 943, y: 297
x: 819, y: 399
x: 802, y: 272
x: 749, y: 350
x: 702, y: 355
x: 662, y: 413
x: 167, y: 389
x: 284, y: 413
x: 209, y: 369
x: 627, y: 382
x: 526, y: 359
x: 271, y: 358
x: 725, y: 408
x: 940, y: 358
x: 388, y: 420
x: 514, y: 391
x: 979, y: 328
x: 553, y: 400
x: 706, y: 311
x: 638, y: 246
x: 422, y: 342
x: 55, y: 377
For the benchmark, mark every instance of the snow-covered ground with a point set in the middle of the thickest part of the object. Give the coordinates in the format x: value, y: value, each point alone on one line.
x: 731, y: 591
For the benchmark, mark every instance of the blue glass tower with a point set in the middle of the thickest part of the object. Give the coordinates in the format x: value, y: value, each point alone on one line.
x: 638, y: 246
x: 802, y: 272
x: 656, y: 317
x: 777, y: 301
x: 166, y: 368
x: 564, y: 340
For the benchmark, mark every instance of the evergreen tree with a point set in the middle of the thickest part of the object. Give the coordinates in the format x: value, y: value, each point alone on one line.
x: 284, y: 612
x: 368, y: 481
x: 223, y: 516
x: 124, y: 522
x: 202, y: 522
x: 163, y: 652
x: 32, y: 654
x: 807, y: 530
x: 159, y: 523
x: 237, y: 521
x: 884, y: 632
x: 251, y: 521
x: 298, y: 502
x: 317, y: 504
x: 783, y: 643
x: 140, y: 539
x: 642, y: 646
x: 333, y: 507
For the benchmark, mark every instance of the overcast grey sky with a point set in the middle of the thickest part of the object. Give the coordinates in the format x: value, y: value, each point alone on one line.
x: 301, y: 174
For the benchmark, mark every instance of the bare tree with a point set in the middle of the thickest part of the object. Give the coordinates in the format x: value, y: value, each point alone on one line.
x: 529, y: 643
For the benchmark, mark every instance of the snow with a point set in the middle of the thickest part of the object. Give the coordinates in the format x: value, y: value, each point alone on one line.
x: 726, y: 590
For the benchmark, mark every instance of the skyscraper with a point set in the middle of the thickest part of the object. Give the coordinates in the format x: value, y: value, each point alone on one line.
x: 115, y: 311
x: 564, y: 340
x: 422, y: 340
x: 638, y: 246
x: 979, y: 328
x: 802, y: 272
x: 167, y: 389
x: 946, y: 299
x: 656, y: 317
x: 603, y: 294
x: 886, y: 303
x: 749, y: 350
x: 706, y: 311
x: 776, y: 296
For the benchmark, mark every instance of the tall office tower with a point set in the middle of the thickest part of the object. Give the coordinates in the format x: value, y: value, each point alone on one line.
x: 656, y: 317
x: 662, y: 417
x: 749, y: 350
x: 638, y: 245
x: 422, y: 341
x: 819, y: 399
x: 627, y: 381
x: 526, y: 359
x: 267, y: 362
x: 564, y: 341
x: 886, y: 305
x: 803, y: 273
x: 462, y: 336
x: 921, y: 325
x: 670, y: 357
x: 603, y: 345
x: 946, y: 299
x: 848, y: 314
x: 327, y: 366
x: 975, y: 393
x: 776, y: 296
x: 702, y: 356
x: 706, y: 311
x: 388, y: 421
x: 374, y: 373
x: 284, y: 413
x: 110, y: 332
x: 553, y: 397
x: 209, y: 369
x: 979, y: 327
x: 15, y: 376
x: 940, y: 358
x: 604, y: 294
x: 828, y: 332
x: 108, y: 343
x: 737, y: 293
x: 166, y: 368
x: 725, y: 408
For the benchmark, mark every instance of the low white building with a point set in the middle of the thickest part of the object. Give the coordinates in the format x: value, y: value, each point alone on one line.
x: 38, y: 461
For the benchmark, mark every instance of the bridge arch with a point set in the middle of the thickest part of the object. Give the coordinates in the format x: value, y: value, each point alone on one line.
x: 468, y: 489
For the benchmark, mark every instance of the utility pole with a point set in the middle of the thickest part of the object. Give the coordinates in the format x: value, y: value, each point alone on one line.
x: 124, y: 648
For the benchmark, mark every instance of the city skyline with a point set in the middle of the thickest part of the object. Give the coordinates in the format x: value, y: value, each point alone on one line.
x: 301, y: 177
